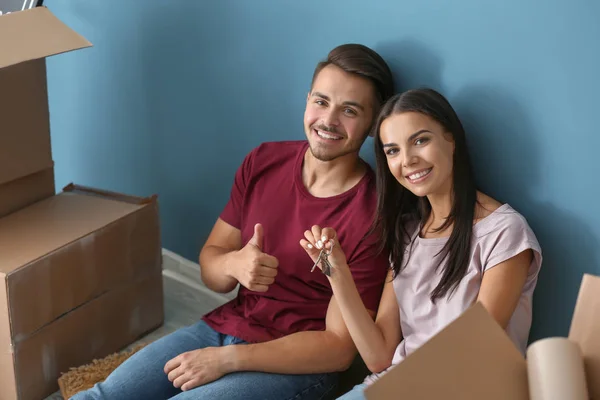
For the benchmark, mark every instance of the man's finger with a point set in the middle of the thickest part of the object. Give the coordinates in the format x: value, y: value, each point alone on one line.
x: 172, y: 364
x: 259, y: 288
x: 176, y: 373
x: 268, y: 261
x: 263, y: 280
x: 191, y: 384
x: 181, y: 380
x: 266, y: 272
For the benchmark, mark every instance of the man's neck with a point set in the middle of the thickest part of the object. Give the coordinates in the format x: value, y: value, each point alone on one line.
x: 331, y: 178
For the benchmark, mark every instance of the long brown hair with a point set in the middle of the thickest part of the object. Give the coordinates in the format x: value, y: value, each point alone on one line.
x: 397, y: 205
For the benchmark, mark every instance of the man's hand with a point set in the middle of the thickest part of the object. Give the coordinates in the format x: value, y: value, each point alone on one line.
x: 251, y: 267
x: 199, y: 367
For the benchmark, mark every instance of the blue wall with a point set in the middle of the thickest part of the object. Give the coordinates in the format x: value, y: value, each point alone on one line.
x: 175, y: 93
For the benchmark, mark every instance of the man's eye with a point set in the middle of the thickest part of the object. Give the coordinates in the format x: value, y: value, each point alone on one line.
x: 320, y: 102
x: 349, y: 111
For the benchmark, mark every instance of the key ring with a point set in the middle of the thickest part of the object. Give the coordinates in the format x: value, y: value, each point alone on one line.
x: 323, y: 259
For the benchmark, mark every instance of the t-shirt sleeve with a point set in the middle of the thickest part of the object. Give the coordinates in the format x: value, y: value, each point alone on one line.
x: 511, y: 237
x: 232, y: 213
x: 369, y: 270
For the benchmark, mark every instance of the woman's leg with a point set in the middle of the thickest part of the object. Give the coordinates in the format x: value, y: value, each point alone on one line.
x: 357, y: 393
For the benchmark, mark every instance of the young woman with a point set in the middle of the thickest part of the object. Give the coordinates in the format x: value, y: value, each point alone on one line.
x: 450, y: 245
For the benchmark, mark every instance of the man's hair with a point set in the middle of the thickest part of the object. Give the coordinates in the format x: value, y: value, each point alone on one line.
x: 365, y: 62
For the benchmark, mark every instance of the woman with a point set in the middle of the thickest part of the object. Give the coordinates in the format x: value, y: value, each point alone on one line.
x: 450, y: 245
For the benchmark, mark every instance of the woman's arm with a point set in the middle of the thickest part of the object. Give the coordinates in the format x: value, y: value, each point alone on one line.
x: 502, y: 285
x: 374, y: 340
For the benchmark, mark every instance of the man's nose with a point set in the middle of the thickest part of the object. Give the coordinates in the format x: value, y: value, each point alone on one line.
x: 331, y: 118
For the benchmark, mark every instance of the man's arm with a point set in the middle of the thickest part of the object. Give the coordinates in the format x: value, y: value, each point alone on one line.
x: 215, y: 257
x: 303, y: 352
x: 224, y: 262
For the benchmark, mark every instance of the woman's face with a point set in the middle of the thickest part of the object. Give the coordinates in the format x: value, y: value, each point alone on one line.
x: 419, y: 153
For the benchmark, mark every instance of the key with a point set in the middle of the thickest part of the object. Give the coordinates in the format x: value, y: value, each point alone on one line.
x: 318, y: 259
x: 322, y: 259
x: 326, y: 266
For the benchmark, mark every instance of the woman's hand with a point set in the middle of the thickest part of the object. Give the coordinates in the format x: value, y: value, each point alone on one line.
x: 315, y: 239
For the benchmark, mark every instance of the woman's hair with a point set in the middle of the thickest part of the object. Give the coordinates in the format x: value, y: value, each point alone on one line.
x: 397, y: 206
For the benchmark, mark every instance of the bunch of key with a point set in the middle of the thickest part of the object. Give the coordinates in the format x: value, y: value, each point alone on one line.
x: 322, y: 259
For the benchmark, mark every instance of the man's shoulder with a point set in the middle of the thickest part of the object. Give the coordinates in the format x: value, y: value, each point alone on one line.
x: 281, y: 147
x: 273, y: 157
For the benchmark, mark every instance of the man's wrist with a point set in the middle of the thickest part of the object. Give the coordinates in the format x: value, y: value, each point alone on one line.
x: 228, y: 264
x: 234, y: 357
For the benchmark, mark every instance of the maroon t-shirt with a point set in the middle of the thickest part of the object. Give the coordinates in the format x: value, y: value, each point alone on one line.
x: 268, y: 189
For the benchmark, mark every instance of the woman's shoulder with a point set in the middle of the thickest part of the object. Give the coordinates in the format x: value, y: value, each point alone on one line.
x: 495, y: 218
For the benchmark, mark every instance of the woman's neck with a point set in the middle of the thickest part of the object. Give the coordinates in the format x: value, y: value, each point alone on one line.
x: 441, y: 206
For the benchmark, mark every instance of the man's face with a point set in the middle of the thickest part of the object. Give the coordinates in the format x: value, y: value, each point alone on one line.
x: 339, y: 112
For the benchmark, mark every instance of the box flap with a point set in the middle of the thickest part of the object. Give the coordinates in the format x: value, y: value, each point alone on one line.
x: 23, y: 192
x: 60, y: 220
x: 25, y: 146
x: 585, y: 330
x: 471, y: 359
x: 35, y: 33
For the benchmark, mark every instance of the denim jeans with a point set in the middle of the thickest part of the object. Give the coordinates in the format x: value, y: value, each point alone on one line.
x: 142, y: 376
x: 357, y: 393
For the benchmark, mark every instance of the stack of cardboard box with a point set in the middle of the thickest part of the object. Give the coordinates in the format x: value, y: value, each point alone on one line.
x: 80, y: 270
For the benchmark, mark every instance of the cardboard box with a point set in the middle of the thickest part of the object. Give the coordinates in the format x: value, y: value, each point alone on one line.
x: 26, y: 39
x: 81, y: 270
x: 473, y: 358
x: 61, y: 259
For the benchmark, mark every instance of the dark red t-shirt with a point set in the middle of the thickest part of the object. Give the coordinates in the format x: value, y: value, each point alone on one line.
x: 268, y: 189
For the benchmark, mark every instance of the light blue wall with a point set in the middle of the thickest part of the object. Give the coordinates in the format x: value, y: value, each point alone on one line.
x: 175, y: 93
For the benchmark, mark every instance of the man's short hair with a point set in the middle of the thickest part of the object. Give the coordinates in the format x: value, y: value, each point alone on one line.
x: 365, y: 62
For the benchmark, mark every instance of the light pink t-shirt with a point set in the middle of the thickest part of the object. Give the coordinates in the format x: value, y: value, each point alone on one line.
x: 501, y: 235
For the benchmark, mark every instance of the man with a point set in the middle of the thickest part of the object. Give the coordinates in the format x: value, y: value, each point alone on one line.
x: 283, y: 336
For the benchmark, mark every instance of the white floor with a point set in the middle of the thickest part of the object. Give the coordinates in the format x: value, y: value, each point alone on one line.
x: 186, y: 298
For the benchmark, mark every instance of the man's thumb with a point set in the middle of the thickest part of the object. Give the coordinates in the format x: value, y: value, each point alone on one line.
x: 257, y: 239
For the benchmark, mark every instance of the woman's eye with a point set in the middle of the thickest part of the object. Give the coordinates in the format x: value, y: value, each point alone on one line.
x: 421, y: 141
x: 391, y: 152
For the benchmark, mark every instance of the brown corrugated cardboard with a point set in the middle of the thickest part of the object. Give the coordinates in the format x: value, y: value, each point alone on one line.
x: 70, y: 248
x: 585, y: 330
x: 81, y: 270
x: 57, y: 257
x: 473, y: 358
x: 94, y: 330
x: 25, y: 191
x: 35, y: 34
x: 26, y: 38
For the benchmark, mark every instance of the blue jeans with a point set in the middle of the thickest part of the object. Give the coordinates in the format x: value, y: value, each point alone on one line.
x: 357, y: 393
x: 142, y: 376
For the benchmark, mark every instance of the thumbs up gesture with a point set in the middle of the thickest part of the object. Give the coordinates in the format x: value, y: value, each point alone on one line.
x: 256, y: 270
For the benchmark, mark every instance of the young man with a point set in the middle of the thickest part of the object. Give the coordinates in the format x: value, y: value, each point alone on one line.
x: 283, y: 336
